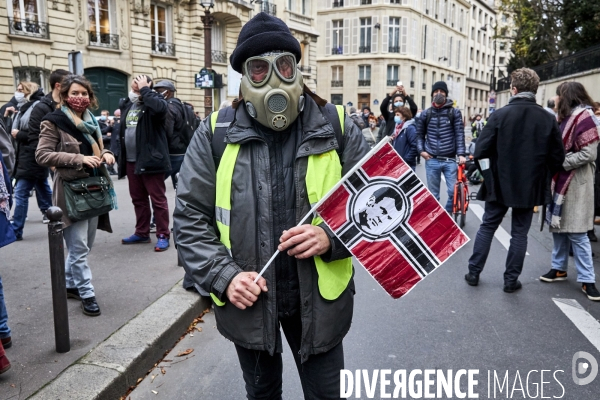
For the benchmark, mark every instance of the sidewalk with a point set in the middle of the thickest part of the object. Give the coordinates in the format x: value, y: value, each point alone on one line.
x: 127, y: 280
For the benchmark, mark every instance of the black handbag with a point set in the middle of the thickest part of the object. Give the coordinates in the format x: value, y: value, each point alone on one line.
x: 87, y: 198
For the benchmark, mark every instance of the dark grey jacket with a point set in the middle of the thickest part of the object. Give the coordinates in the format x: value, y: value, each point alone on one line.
x: 440, y: 137
x: 324, y: 323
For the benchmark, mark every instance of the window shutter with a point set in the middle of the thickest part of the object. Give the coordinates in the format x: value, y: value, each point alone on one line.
x: 346, y: 49
x: 435, y: 45
x: 354, y: 35
x: 414, y: 38
x: 375, y: 1
x: 328, y: 4
x: 385, y: 33
x: 328, y: 38
x: 374, y: 35
x: 404, y: 34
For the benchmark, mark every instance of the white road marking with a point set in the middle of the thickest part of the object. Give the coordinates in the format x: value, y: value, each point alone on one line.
x: 583, y: 320
x: 502, y: 236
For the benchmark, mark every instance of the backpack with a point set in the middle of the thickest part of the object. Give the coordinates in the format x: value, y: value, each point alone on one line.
x: 429, y: 115
x: 190, y: 121
x: 220, y: 121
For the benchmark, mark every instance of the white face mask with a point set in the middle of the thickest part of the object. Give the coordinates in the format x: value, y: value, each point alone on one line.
x: 20, y: 97
x: 134, y: 97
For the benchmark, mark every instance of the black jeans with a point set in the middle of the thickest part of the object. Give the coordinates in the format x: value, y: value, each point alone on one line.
x: 520, y: 224
x: 320, y: 374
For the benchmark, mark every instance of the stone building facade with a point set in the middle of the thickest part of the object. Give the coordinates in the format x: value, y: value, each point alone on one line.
x: 371, y: 44
x: 120, y: 39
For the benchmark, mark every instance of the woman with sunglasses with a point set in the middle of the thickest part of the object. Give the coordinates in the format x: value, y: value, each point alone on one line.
x: 71, y: 142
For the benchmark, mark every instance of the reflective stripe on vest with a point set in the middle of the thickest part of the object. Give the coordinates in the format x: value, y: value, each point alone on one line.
x: 323, y: 172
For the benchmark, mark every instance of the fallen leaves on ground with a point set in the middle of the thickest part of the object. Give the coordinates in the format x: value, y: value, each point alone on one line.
x: 162, y: 371
x: 184, y: 353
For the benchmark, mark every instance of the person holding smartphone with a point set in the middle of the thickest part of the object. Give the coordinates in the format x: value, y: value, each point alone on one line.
x: 397, y: 98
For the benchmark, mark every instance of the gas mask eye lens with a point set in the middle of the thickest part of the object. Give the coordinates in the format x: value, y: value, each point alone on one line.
x: 286, y: 66
x: 258, y: 70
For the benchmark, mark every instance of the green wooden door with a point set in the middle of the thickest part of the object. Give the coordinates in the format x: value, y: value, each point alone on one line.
x: 109, y: 86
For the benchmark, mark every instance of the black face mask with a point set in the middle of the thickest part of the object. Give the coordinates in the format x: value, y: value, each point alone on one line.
x: 439, y: 99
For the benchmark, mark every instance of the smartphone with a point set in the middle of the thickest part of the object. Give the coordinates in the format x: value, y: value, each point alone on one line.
x: 399, y: 83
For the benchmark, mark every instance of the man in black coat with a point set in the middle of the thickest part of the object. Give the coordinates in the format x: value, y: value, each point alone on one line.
x: 144, y: 159
x: 517, y: 151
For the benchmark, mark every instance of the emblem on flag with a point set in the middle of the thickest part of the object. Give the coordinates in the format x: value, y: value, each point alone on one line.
x: 390, y: 221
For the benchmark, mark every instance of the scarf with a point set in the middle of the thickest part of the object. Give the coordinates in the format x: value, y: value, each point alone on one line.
x: 397, y: 131
x: 4, y: 193
x: 90, y: 129
x: 578, y: 130
x: 523, y: 95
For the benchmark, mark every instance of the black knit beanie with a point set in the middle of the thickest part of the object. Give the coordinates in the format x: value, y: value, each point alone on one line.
x: 262, y: 34
x: 439, y: 85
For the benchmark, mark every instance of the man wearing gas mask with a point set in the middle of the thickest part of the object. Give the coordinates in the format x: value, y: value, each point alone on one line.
x: 249, y: 176
x: 440, y: 138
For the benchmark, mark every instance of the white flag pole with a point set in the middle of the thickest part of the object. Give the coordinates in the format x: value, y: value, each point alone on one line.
x: 314, y: 208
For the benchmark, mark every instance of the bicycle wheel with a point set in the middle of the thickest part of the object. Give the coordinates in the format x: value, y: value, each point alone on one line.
x: 459, y: 216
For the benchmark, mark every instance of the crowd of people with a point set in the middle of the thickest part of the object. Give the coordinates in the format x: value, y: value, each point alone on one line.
x: 228, y: 221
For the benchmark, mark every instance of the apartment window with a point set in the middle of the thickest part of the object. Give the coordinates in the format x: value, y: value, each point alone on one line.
x: 161, y: 38
x: 469, y: 93
x: 450, y: 54
x: 393, y: 74
x: 364, y: 75
x: 337, y: 99
x: 304, y: 7
x: 478, y: 36
x: 453, y: 16
x: 458, y: 54
x: 394, y: 35
x: 477, y: 57
x: 474, y: 12
x: 433, y: 76
x: 413, y: 71
x: 32, y: 74
x: 462, y: 19
x: 218, y: 46
x: 422, y: 102
x: 473, y: 33
x: 365, y: 35
x: 25, y: 18
x: 290, y: 5
x: 338, y: 3
x: 99, y: 12
x: 502, y: 45
x: 424, y: 79
x: 504, y: 17
x: 442, y: 77
x: 337, y: 76
x: 501, y: 61
x: 480, y: 16
x: 471, y: 54
x: 470, y: 72
x: 338, y: 37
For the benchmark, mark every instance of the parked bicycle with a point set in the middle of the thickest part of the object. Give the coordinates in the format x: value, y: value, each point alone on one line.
x: 460, y: 203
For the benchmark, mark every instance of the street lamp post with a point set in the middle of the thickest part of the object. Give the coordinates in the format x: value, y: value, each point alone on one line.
x: 207, y: 20
x: 493, y: 77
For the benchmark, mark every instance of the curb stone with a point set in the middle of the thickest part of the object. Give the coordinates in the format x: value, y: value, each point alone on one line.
x: 108, y: 370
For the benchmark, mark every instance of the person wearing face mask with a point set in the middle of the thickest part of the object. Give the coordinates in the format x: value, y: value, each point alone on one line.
x: 144, y: 159
x: 249, y: 176
x: 71, y: 142
x: 27, y: 172
x: 107, y: 129
x: 405, y: 136
x: 441, y: 138
x: 397, y: 98
x: 372, y: 132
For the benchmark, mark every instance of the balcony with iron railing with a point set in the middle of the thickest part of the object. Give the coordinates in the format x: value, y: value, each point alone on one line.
x: 392, y: 82
x: 269, y: 8
x: 364, y: 82
x: 338, y: 3
x: 394, y: 49
x: 306, y: 69
x: 337, y: 50
x: 364, y: 49
x: 162, y: 48
x: 28, y: 28
x: 104, y: 40
x: 218, y: 56
x: 365, y: 2
x: 337, y: 83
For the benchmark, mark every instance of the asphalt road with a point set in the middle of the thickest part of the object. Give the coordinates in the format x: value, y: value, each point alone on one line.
x: 442, y: 324
x: 127, y: 279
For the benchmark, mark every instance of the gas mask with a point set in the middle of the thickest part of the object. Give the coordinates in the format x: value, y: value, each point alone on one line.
x: 272, y: 88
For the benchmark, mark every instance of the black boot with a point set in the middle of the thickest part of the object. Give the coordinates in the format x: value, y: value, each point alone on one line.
x: 90, y: 307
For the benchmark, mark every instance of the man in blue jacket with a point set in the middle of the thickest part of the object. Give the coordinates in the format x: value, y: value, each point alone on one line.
x: 440, y: 138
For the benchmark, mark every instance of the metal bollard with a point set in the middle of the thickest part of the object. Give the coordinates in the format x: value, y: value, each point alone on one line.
x: 57, y: 276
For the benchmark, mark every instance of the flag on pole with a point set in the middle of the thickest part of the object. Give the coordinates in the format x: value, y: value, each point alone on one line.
x: 390, y: 221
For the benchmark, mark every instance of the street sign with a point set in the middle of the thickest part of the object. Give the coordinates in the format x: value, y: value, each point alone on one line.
x: 492, y: 100
x: 205, y: 79
x: 492, y: 94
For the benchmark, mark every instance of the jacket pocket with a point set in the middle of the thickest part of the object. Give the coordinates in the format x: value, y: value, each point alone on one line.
x: 70, y: 147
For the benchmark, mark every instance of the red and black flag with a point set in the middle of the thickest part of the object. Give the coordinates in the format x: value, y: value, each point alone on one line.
x: 390, y: 221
